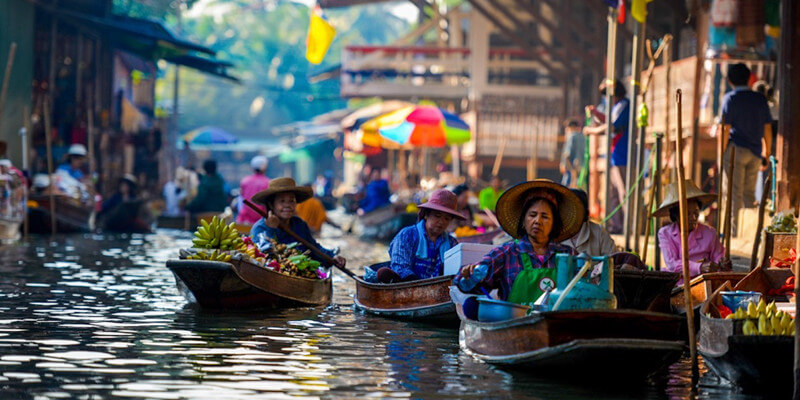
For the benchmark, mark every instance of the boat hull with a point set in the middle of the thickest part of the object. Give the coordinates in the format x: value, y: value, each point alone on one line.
x: 71, y: 215
x: 421, y: 300
x: 241, y: 284
x: 641, y: 343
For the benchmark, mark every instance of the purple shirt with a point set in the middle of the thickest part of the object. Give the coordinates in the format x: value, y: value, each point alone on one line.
x: 504, y: 264
x: 703, y: 245
x: 251, y: 185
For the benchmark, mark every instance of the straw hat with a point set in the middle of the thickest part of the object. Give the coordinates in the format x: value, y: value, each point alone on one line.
x: 283, y: 185
x: 445, y: 201
x: 692, y: 193
x: 570, y: 208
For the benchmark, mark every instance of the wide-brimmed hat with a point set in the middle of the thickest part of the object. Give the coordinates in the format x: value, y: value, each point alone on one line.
x: 443, y: 200
x: 77, y: 149
x: 570, y: 209
x: 692, y: 193
x: 283, y: 185
x: 130, y: 178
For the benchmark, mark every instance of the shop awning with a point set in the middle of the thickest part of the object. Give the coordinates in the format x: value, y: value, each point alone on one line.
x: 207, y: 65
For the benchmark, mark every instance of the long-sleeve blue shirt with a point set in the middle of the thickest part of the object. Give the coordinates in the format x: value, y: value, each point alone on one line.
x: 298, y: 226
x: 403, y: 249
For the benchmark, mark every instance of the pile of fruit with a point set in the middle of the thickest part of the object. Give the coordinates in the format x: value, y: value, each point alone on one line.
x: 287, y: 259
x: 783, y: 222
x: 215, y: 255
x: 216, y: 235
x: 463, y: 231
x: 764, y: 319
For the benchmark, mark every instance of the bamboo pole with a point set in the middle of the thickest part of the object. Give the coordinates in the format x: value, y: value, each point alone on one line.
x: 720, y: 151
x: 611, y: 58
x: 12, y: 51
x: 685, y: 238
x: 48, y: 143
x: 762, y: 205
x: 648, y: 218
x: 499, y: 158
x: 728, y: 204
x: 25, y: 164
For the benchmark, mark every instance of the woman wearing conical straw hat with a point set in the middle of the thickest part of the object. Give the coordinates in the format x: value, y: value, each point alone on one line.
x: 539, y: 214
x: 705, y: 250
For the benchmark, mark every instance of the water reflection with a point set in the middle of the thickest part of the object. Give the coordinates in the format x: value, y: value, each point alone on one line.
x: 94, y: 315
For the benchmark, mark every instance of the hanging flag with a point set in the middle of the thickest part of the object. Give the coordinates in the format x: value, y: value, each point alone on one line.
x: 320, y: 36
x: 621, y: 12
x: 639, y: 10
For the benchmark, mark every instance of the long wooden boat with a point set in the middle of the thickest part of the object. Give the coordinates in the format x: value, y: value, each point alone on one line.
x: 189, y: 222
x: 748, y: 361
x: 422, y: 300
x: 384, y: 223
x: 71, y: 214
x: 130, y: 217
x: 241, y: 283
x: 587, y: 343
x: 482, y: 238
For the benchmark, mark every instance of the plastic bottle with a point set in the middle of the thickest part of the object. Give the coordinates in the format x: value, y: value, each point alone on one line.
x: 478, y: 274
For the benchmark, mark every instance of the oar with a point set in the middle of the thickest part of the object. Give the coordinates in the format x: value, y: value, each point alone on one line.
x: 319, y: 253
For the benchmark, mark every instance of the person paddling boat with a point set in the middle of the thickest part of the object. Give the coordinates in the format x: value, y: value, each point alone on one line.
x: 417, y: 252
x: 281, y: 198
x: 539, y: 214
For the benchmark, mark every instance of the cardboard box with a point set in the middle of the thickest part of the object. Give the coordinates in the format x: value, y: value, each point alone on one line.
x: 464, y: 254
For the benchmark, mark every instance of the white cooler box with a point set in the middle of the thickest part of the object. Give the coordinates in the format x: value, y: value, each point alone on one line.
x: 464, y: 254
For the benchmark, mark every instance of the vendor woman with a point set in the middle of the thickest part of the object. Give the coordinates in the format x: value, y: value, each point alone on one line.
x: 280, y: 199
x: 705, y: 250
x: 417, y: 252
x: 539, y: 214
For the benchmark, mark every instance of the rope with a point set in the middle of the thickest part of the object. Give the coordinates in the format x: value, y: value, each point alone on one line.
x: 628, y: 195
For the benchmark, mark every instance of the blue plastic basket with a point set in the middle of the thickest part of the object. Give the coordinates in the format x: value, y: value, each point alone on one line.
x: 739, y: 299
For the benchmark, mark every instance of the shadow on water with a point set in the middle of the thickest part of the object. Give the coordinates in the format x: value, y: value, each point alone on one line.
x: 93, y: 316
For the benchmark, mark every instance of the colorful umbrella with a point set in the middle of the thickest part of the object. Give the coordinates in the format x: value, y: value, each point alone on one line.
x: 423, y: 126
x: 209, y: 135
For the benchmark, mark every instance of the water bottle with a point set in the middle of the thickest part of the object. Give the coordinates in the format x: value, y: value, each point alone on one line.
x: 478, y: 274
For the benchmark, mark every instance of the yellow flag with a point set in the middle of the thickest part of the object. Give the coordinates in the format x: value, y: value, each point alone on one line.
x: 639, y: 10
x: 320, y: 36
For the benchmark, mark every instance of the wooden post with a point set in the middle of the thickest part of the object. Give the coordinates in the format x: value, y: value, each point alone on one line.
x: 633, y: 164
x: 685, y: 239
x: 728, y: 204
x: 12, y: 51
x: 611, y: 56
x: 499, y: 158
x: 720, y: 167
x: 48, y: 143
x: 26, y: 117
x: 657, y: 199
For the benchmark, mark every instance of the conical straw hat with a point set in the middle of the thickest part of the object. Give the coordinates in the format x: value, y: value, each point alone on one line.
x: 692, y: 193
x: 570, y: 208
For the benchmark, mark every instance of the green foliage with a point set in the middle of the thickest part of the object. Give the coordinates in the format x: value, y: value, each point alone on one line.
x: 266, y: 42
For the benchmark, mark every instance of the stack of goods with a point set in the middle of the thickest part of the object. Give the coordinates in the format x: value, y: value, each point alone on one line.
x: 287, y: 259
x: 218, y: 236
x: 764, y: 319
x: 783, y: 222
x: 463, y: 231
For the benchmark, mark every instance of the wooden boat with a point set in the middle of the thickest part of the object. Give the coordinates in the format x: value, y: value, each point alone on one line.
x: 482, y: 238
x: 588, y: 343
x: 130, y: 217
x: 188, y: 222
x: 241, y: 283
x: 644, y: 290
x: 71, y: 214
x: 702, y: 287
x: 384, y: 223
x: 422, y: 300
x: 748, y: 361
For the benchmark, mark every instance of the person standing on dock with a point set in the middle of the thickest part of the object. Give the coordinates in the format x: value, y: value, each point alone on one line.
x: 747, y: 117
x: 619, y: 151
x: 572, y: 154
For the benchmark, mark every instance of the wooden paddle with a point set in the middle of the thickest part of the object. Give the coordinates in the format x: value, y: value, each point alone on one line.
x: 314, y: 249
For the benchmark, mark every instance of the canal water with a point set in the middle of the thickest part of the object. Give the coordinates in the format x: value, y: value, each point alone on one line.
x: 98, y: 317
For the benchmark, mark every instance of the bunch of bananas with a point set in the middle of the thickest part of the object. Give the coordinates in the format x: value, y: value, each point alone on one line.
x: 764, y: 319
x: 216, y: 235
x: 464, y: 231
x: 216, y: 255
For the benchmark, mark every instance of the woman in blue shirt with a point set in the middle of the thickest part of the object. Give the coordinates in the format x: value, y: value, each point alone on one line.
x: 281, y: 198
x: 417, y: 252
